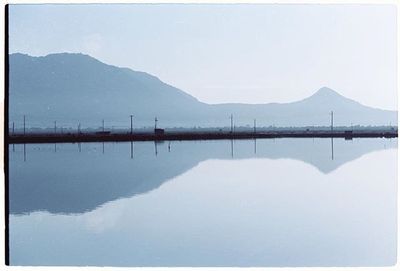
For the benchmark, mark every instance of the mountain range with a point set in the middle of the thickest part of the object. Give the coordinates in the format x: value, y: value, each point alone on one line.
x: 71, y: 88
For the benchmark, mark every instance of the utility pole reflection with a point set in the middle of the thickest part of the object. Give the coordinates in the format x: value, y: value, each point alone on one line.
x: 232, y: 151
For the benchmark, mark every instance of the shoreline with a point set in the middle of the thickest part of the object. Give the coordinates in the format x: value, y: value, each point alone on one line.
x: 173, y: 136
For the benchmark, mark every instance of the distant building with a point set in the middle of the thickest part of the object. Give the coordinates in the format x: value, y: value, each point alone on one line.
x: 348, y: 135
x: 103, y: 133
x: 159, y: 131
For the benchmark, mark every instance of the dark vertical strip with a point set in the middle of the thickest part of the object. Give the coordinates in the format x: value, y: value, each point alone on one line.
x: 232, y: 148
x: 131, y: 124
x: 6, y: 132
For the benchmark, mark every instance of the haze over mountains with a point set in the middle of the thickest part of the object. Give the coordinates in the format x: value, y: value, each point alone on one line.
x: 71, y: 88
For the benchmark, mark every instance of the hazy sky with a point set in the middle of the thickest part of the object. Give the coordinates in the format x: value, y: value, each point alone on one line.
x: 228, y: 53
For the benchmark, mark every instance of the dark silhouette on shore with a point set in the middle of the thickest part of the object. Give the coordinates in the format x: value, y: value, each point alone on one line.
x: 159, y: 134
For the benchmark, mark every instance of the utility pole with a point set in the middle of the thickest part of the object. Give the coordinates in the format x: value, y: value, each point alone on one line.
x: 155, y: 123
x: 13, y: 129
x: 255, y: 125
x: 55, y: 127
x: 131, y: 124
x: 79, y: 128
x: 231, y: 123
x: 24, y: 124
x: 103, y: 124
x: 331, y: 121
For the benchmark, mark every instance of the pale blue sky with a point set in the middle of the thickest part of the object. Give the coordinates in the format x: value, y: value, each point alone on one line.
x: 229, y: 53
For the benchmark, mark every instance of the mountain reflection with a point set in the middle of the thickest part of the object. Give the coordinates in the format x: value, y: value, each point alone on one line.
x: 64, y: 178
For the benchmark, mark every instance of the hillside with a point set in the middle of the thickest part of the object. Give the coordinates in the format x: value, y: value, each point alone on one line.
x: 72, y: 88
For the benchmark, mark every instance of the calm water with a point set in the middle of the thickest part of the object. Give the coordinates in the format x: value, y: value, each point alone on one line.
x: 282, y: 202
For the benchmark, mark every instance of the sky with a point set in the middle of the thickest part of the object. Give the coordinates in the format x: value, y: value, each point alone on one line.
x: 228, y: 53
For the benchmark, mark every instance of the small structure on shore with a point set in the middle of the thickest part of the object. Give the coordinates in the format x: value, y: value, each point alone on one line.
x: 348, y: 135
x: 103, y: 133
x: 157, y: 131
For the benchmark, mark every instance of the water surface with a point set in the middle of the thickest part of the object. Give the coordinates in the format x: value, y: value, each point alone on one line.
x: 269, y: 202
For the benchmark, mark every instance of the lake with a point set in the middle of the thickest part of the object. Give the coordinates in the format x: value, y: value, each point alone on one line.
x: 264, y: 202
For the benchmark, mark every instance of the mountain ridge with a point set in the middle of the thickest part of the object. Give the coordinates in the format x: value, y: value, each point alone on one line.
x: 77, y: 86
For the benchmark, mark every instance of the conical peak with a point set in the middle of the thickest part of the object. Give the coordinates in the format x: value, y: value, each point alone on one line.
x: 326, y: 91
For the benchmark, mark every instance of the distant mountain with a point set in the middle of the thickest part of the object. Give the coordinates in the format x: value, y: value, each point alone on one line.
x: 72, y: 88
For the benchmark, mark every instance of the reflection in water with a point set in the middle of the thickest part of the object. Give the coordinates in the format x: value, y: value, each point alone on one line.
x: 196, y: 206
x: 131, y: 149
x: 332, y: 148
x: 82, y: 183
x: 232, y: 148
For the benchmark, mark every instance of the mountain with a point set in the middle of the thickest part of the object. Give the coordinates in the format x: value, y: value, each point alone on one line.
x: 72, y: 88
